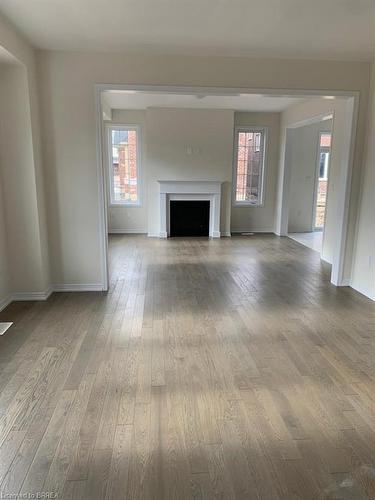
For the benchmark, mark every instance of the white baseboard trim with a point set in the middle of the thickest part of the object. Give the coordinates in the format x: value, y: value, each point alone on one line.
x: 370, y: 294
x: 153, y: 235
x: 44, y: 295
x: 126, y: 231
x: 346, y: 282
x: 5, y: 302
x: 255, y: 231
x: 78, y: 287
x: 23, y: 296
x: 226, y: 234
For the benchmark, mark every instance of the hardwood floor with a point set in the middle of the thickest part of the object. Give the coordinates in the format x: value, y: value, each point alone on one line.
x: 212, y: 369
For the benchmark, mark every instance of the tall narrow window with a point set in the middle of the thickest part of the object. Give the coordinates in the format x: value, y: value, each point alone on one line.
x: 325, y: 139
x: 249, y: 166
x: 124, y: 165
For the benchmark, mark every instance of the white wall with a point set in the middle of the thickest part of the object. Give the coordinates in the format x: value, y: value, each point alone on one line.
x: 260, y: 219
x: 303, y: 166
x: 364, y: 263
x: 23, y: 228
x: 189, y: 144
x: 26, y: 267
x: 69, y: 132
x: 131, y: 219
x: 214, y: 159
x: 4, y: 272
x: 69, y: 136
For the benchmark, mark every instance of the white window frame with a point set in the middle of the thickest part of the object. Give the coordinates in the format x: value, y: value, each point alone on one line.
x: 324, y: 149
x: 112, y: 201
x: 247, y: 203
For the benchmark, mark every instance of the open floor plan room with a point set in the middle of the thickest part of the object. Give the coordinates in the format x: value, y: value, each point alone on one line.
x: 224, y: 368
x: 187, y: 249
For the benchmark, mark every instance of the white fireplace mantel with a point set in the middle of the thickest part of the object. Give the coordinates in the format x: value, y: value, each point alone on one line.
x: 190, y: 190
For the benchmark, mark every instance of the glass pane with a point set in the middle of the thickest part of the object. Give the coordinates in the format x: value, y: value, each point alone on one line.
x: 325, y: 140
x: 323, y: 164
x: 321, y: 198
x: 124, y: 166
x: 249, y: 167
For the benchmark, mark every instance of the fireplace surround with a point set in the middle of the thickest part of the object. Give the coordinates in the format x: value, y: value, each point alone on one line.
x: 190, y: 190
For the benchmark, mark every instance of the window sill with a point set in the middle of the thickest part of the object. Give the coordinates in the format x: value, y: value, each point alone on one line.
x: 247, y: 205
x: 125, y: 205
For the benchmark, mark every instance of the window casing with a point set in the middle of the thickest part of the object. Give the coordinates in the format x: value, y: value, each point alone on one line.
x: 124, y: 162
x: 249, y: 166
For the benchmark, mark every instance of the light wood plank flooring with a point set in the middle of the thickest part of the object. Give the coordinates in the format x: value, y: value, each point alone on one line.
x: 212, y: 369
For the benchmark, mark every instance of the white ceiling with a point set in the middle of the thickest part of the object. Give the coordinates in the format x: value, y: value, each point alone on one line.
x: 240, y: 102
x: 329, y: 29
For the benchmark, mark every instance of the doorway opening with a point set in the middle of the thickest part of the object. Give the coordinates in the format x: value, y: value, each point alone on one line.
x: 309, y: 157
x: 110, y: 211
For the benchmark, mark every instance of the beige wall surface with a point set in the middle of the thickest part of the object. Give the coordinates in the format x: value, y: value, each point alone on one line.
x: 66, y: 87
x: 303, y: 163
x: 364, y: 263
x: 19, y: 183
x: 213, y: 162
x: 23, y: 219
x: 189, y: 144
x: 67, y: 90
x: 260, y: 219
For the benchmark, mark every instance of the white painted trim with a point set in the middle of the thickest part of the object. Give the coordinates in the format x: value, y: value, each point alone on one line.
x: 222, y: 91
x: 102, y: 191
x: 126, y: 231
x: 312, y: 120
x: 346, y: 282
x: 26, y: 296
x: 190, y: 190
x: 364, y: 291
x: 255, y: 231
x: 249, y: 128
x: 4, y: 327
x: 226, y: 234
x: 79, y: 287
x: 44, y: 295
x: 344, y: 188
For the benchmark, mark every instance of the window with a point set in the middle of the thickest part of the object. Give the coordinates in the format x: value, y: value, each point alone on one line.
x: 124, y: 160
x: 324, y: 153
x: 323, y: 165
x: 249, y: 166
x: 325, y: 149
